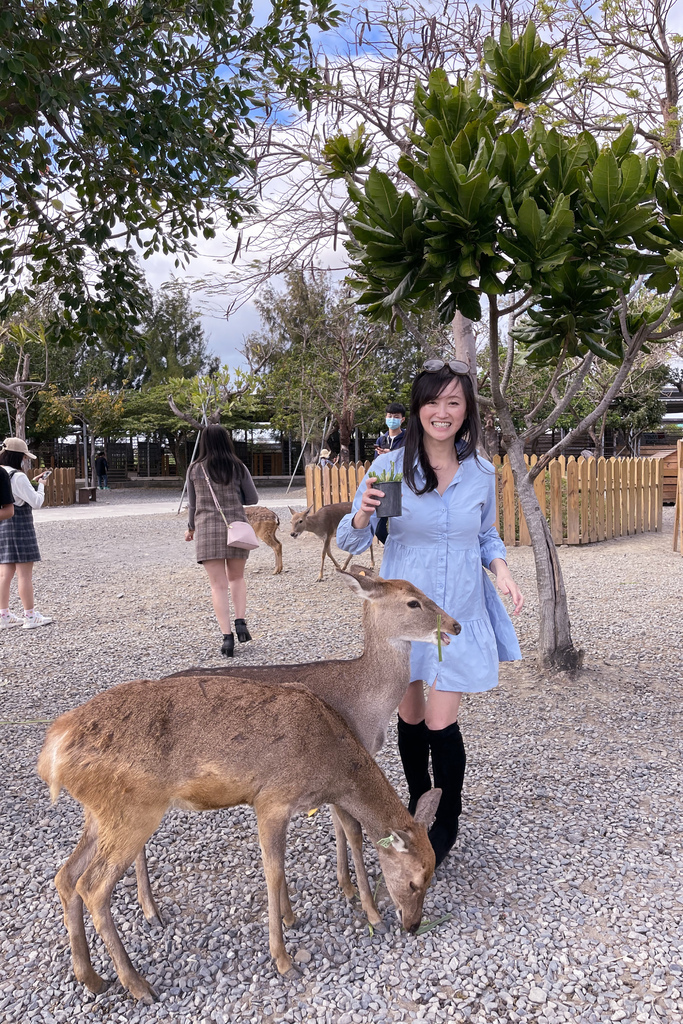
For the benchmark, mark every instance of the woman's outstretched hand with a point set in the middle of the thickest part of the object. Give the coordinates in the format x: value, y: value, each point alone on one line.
x: 506, y: 584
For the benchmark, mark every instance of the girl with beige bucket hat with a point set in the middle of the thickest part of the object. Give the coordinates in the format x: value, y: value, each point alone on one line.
x: 18, y: 542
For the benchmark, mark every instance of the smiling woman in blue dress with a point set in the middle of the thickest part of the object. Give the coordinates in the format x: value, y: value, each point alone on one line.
x: 440, y: 542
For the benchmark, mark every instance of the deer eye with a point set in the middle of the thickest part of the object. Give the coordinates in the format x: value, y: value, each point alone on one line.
x: 414, y: 604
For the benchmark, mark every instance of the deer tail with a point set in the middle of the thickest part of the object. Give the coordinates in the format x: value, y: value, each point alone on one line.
x: 49, y: 762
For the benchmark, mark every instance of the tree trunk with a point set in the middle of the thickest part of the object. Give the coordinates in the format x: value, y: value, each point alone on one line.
x: 345, y: 434
x: 20, y: 406
x: 93, y: 475
x: 556, y: 648
x: 490, y: 434
x: 464, y: 345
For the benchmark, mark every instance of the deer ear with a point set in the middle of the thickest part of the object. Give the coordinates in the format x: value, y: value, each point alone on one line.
x: 425, y: 811
x: 366, y: 586
x: 294, y: 511
x: 401, y: 841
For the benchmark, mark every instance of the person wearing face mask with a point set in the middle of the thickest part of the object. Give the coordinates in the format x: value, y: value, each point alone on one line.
x: 395, y: 436
x: 18, y: 542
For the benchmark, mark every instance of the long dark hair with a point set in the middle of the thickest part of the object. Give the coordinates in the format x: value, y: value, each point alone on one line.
x: 11, y: 459
x: 217, y: 451
x: 427, y: 387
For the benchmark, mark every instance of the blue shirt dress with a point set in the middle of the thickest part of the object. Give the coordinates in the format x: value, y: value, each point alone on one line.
x: 440, y: 544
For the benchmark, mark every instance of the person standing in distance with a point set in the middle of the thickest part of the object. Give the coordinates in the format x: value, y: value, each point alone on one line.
x: 18, y: 541
x: 395, y: 435
x: 446, y: 533
x: 218, y: 470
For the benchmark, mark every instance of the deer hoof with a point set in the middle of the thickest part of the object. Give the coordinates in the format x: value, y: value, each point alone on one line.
x: 143, y: 991
x: 92, y: 981
x: 379, y: 928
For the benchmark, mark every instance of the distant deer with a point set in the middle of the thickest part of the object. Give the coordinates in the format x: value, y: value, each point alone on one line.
x: 366, y: 691
x: 323, y: 524
x: 139, y: 748
x: 265, y: 523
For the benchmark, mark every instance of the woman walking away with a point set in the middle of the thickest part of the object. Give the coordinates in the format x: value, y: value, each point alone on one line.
x: 18, y: 542
x: 439, y: 543
x: 219, y: 476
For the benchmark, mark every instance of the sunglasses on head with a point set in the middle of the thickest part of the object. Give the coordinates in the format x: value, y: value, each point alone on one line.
x: 454, y: 365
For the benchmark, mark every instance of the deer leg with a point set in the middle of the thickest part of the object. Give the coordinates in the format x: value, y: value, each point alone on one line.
x: 354, y: 834
x: 272, y: 830
x: 372, y: 552
x: 277, y: 548
x: 123, y: 844
x: 286, y: 911
x: 346, y: 563
x: 326, y: 551
x: 65, y: 882
x: 343, y: 876
x: 145, y: 896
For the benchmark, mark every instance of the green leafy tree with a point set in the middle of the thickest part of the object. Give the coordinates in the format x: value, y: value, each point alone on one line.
x: 122, y: 128
x: 324, y: 360
x: 533, y: 221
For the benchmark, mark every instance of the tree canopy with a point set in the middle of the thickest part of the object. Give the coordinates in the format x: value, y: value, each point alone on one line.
x: 122, y: 130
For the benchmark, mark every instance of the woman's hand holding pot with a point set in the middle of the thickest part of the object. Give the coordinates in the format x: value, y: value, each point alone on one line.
x: 369, y: 502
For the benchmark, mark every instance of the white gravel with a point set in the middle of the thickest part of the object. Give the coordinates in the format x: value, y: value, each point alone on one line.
x: 563, y: 896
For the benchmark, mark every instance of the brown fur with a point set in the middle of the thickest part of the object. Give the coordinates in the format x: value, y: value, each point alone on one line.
x: 139, y: 748
x: 365, y: 691
x: 265, y: 523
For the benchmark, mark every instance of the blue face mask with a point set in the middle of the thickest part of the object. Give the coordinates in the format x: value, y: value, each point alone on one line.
x: 393, y: 422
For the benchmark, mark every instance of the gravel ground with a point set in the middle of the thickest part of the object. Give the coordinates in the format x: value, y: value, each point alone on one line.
x: 563, y: 897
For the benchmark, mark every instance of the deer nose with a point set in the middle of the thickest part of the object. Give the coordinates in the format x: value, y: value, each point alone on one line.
x: 413, y: 928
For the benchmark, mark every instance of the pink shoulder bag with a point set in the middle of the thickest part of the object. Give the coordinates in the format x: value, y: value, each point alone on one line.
x: 240, y: 535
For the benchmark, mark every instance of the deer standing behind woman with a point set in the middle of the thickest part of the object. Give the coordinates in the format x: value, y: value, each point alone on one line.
x: 140, y: 748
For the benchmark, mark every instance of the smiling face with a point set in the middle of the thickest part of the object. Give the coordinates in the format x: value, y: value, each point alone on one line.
x: 442, y: 417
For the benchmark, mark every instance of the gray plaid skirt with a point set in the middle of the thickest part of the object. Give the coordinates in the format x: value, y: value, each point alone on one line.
x: 18, y: 541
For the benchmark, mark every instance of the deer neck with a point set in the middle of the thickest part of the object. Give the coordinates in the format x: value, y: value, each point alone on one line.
x: 376, y: 806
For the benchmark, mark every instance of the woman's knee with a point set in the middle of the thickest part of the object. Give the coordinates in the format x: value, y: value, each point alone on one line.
x: 236, y: 569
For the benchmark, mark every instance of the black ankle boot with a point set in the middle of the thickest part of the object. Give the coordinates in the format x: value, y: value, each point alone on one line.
x: 243, y: 634
x: 228, y: 648
x: 413, y: 746
x: 448, y: 767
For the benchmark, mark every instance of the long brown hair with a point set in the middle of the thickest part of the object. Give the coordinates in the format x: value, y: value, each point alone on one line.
x: 217, y: 451
x: 427, y: 387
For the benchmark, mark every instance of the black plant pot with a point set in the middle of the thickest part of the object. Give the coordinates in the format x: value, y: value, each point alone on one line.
x: 390, y: 504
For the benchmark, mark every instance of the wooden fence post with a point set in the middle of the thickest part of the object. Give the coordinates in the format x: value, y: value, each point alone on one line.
x: 497, y: 463
x: 327, y: 489
x: 524, y: 538
x: 344, y: 483
x: 509, y: 535
x: 317, y: 487
x: 678, y: 515
x: 645, y: 469
x: 609, y: 498
x: 600, y: 517
x: 591, y: 498
x: 573, y: 530
x: 556, y: 528
x: 584, y: 502
x: 308, y: 473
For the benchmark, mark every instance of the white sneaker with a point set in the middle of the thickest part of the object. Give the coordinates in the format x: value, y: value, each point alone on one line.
x: 35, y: 620
x: 8, y: 621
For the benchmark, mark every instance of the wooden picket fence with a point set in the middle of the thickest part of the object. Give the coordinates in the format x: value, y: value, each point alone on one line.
x: 584, y: 500
x: 60, y: 488
x: 678, y: 516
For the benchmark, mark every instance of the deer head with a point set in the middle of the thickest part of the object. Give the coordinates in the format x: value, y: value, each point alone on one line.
x: 299, y: 520
x: 407, y: 861
x: 411, y: 611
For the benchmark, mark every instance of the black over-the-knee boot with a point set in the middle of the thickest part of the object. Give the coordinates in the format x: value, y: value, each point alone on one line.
x: 448, y: 768
x: 413, y: 746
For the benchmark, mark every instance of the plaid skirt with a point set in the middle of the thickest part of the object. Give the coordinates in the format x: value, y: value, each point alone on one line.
x: 18, y: 541
x: 212, y: 536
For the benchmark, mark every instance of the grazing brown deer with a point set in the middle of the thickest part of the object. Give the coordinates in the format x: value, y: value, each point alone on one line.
x: 265, y: 523
x: 366, y: 691
x: 323, y: 524
x: 139, y: 748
